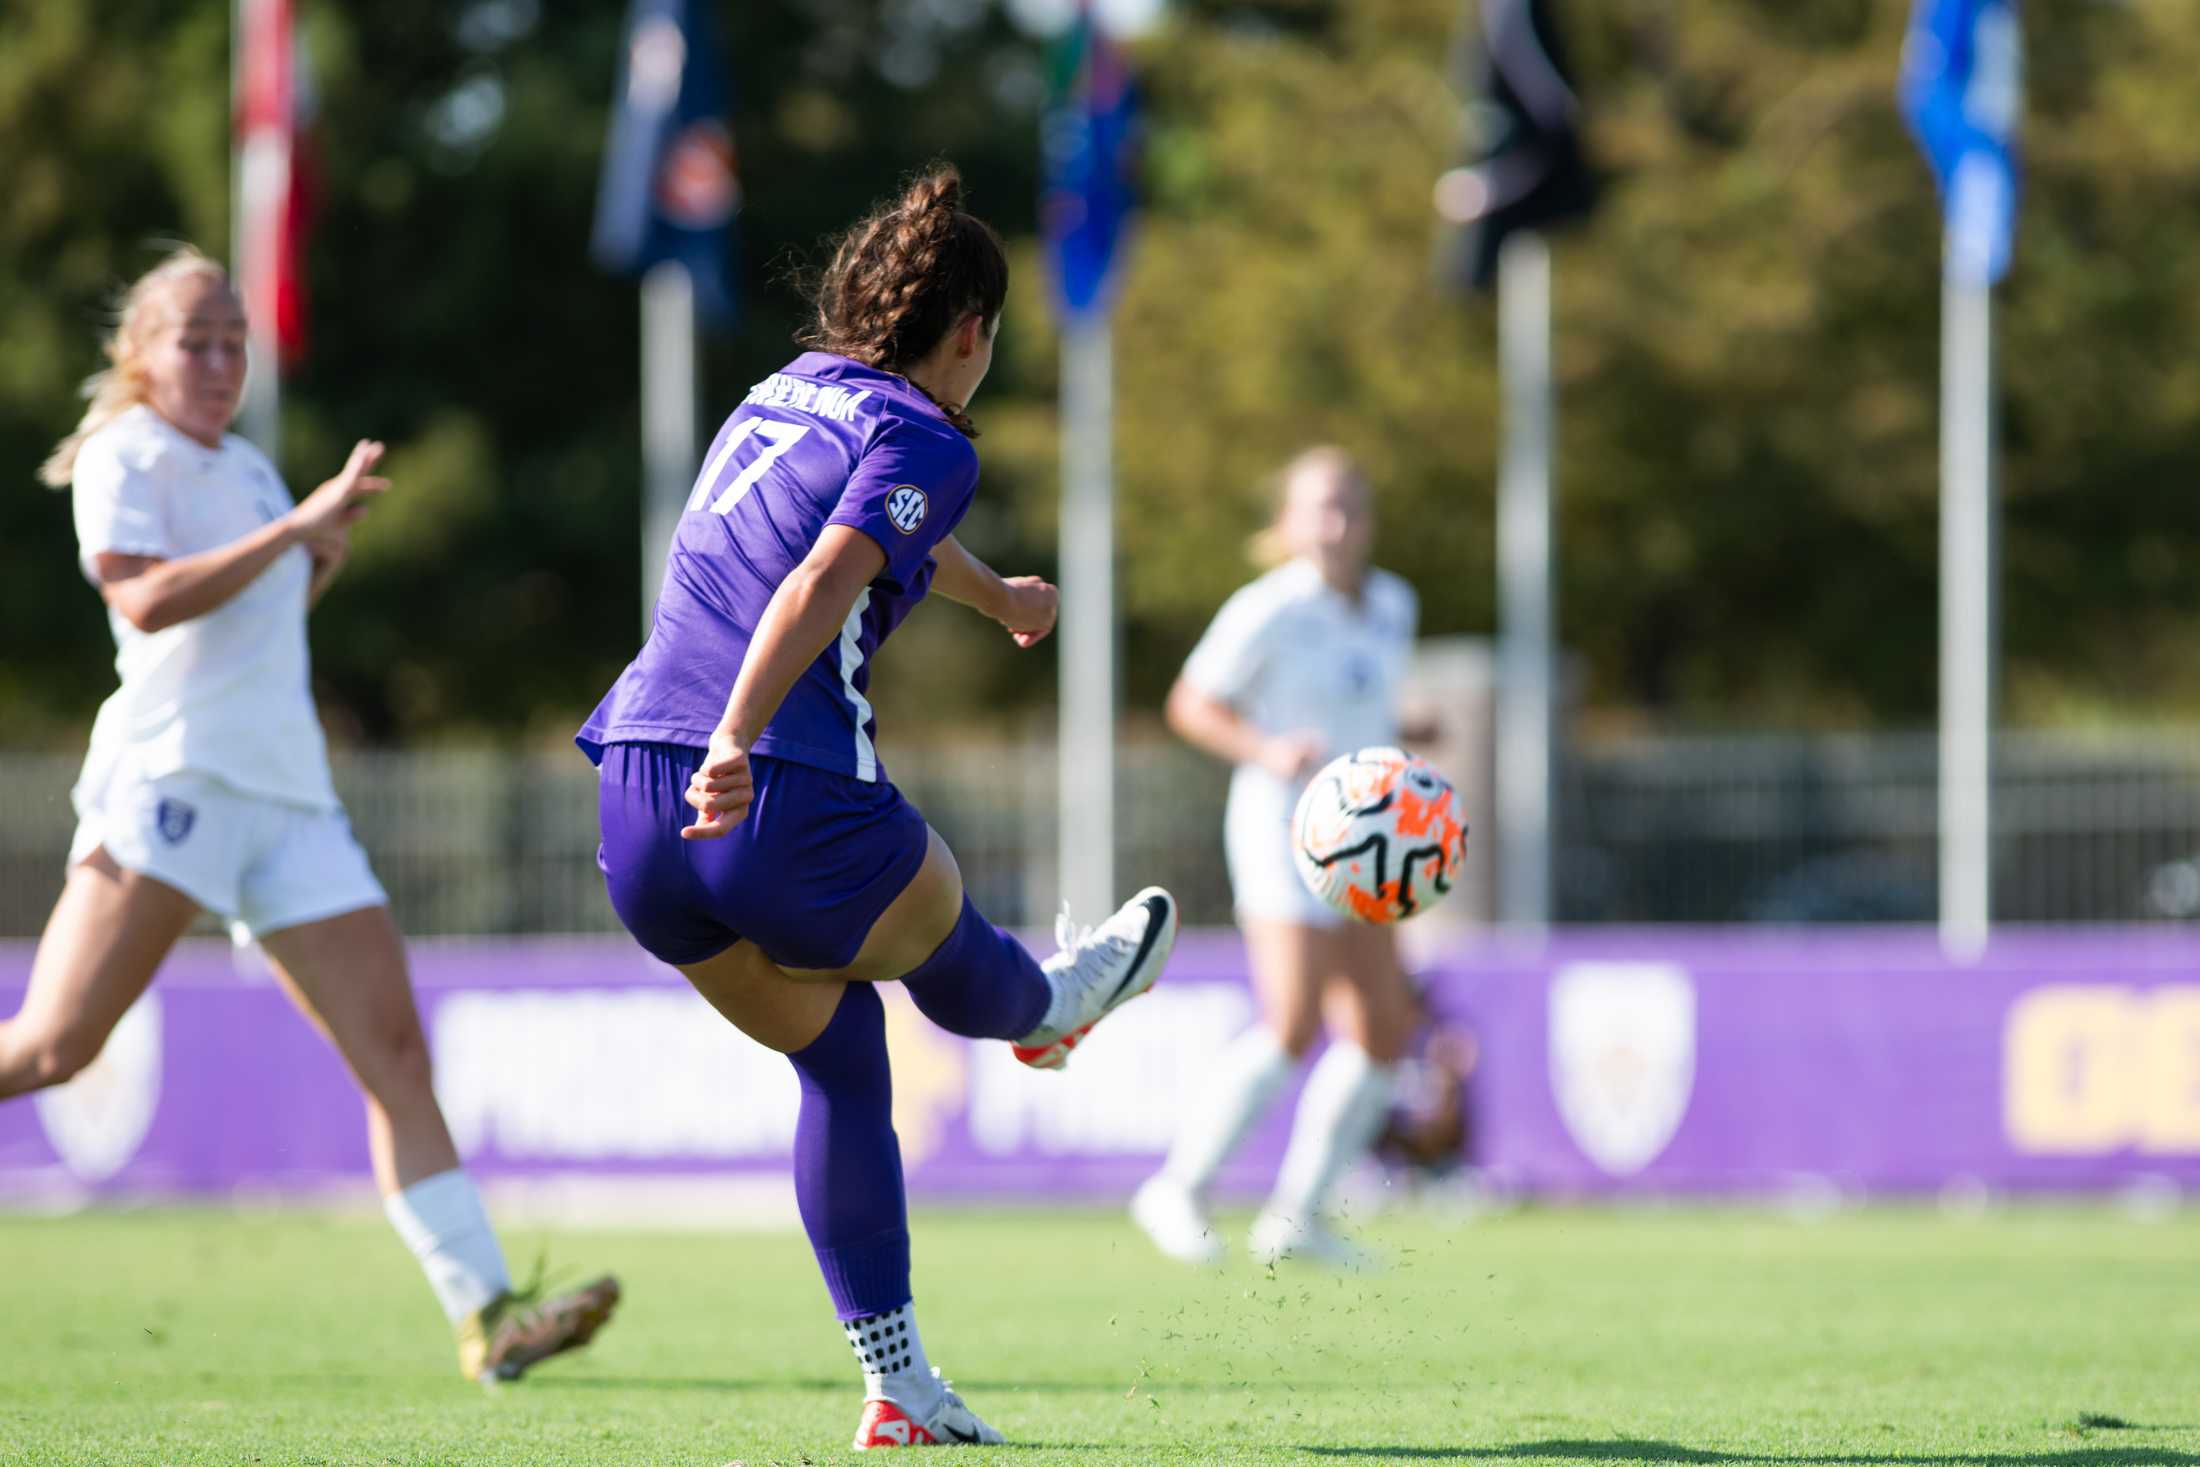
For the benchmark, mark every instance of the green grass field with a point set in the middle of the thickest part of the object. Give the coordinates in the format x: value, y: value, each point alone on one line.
x: 2052, y: 1338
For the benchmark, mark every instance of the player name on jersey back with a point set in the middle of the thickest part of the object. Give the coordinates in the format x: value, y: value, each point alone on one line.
x: 820, y: 399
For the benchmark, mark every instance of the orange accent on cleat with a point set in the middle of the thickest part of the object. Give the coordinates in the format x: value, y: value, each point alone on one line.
x: 1051, y: 1056
x: 1091, y: 957
x: 885, y: 1424
x: 949, y: 1423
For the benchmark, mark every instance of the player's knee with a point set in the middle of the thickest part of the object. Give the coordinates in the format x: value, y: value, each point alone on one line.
x: 402, y: 1066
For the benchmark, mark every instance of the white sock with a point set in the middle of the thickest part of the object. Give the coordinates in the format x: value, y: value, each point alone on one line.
x: 442, y: 1221
x: 1247, y: 1075
x: 1340, y: 1114
x: 892, y: 1357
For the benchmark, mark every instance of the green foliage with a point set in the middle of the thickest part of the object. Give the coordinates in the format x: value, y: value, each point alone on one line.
x: 1748, y: 351
x: 1748, y: 338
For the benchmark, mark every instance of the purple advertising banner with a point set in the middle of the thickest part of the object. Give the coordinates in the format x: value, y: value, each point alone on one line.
x: 1729, y: 1062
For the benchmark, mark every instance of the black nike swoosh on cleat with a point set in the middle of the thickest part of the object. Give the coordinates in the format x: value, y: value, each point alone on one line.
x: 967, y: 1438
x: 1159, y: 907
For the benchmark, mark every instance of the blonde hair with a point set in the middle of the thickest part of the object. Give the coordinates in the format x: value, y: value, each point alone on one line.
x: 122, y: 384
x: 1267, y: 547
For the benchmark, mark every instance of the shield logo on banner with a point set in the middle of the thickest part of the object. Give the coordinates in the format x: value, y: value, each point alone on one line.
x: 1623, y: 1058
x: 98, y: 1120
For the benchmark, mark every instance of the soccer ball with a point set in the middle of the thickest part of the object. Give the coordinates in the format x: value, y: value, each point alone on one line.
x: 1379, y: 835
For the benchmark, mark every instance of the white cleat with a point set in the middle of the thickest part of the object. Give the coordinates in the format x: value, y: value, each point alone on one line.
x: 1098, y: 970
x: 949, y: 1423
x: 1170, y: 1214
x: 1276, y: 1237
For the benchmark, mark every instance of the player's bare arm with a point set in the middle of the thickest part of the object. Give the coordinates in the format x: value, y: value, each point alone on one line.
x: 1210, y: 723
x: 805, y: 615
x: 152, y: 593
x: 1025, y: 605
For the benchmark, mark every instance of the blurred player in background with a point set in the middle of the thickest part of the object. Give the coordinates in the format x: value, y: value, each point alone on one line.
x: 207, y: 783
x: 1303, y: 664
x: 750, y: 835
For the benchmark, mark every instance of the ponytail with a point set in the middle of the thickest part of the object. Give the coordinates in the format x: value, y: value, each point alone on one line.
x: 905, y: 274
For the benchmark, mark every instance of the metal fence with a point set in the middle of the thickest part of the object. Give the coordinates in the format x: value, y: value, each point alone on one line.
x: 2086, y: 829
x: 1653, y: 830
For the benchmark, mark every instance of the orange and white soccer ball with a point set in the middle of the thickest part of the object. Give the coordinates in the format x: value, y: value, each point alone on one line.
x: 1379, y: 835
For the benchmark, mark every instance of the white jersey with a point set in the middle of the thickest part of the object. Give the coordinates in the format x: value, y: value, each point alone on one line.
x: 227, y: 694
x: 1293, y: 655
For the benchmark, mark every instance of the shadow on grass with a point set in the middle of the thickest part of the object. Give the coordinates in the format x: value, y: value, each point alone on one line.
x: 692, y: 1383
x: 969, y: 1386
x: 1157, y: 1385
x: 1624, y: 1449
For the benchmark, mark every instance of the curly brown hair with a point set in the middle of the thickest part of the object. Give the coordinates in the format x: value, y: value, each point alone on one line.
x: 904, y: 275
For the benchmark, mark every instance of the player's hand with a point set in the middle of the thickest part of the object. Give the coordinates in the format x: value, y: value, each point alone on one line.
x: 720, y: 790
x: 1292, y: 756
x: 338, y: 504
x: 329, y: 554
x: 1033, y: 604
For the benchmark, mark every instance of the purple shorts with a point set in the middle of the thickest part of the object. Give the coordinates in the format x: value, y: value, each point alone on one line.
x: 803, y: 876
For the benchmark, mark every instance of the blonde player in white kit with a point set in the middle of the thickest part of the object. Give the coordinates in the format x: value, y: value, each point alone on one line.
x: 207, y: 783
x: 1301, y: 665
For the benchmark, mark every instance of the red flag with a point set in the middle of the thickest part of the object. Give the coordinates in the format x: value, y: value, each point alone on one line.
x: 273, y: 173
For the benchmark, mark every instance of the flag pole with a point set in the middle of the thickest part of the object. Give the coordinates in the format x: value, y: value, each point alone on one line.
x: 251, y: 163
x: 1084, y: 141
x: 1526, y: 656
x: 669, y: 394
x: 1968, y: 641
x: 1086, y: 840
x: 1962, y: 92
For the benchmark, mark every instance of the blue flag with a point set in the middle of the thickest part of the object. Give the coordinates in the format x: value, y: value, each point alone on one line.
x: 1089, y: 150
x: 669, y: 190
x: 1962, y: 91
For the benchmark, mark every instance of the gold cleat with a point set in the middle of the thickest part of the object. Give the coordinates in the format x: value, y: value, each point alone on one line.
x: 514, y: 1331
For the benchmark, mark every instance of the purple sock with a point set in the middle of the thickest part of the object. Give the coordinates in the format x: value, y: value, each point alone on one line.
x: 847, y: 1162
x: 980, y: 983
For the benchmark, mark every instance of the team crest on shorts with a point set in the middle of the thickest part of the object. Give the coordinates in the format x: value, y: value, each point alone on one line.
x: 905, y: 506
x: 174, y: 819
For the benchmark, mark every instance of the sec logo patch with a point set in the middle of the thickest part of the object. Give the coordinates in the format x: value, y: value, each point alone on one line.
x: 905, y: 506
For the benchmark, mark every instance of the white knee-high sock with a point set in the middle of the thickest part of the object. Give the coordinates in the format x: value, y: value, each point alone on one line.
x: 1340, y: 1114
x: 1247, y: 1075
x: 443, y: 1222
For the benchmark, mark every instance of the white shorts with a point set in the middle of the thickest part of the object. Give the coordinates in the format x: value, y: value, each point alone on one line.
x: 1256, y: 842
x: 262, y: 864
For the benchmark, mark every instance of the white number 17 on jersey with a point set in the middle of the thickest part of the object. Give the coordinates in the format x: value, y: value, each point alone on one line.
x: 777, y: 437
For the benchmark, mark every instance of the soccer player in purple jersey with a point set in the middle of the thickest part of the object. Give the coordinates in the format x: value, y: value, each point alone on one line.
x: 750, y: 836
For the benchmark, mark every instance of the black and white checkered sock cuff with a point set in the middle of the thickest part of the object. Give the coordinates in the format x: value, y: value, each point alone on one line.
x: 883, y: 1342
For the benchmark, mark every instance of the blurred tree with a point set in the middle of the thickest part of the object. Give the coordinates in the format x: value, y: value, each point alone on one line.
x: 1748, y: 337
x: 1748, y: 349
x: 455, y: 312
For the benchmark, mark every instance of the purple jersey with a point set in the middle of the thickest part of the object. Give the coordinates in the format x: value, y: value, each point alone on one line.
x: 826, y: 441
